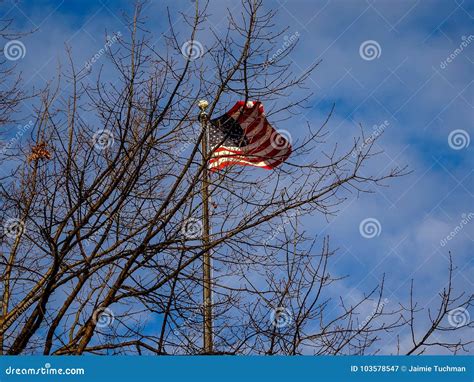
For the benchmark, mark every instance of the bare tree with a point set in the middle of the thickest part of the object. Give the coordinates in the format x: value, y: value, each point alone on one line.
x: 11, y: 94
x: 101, y: 251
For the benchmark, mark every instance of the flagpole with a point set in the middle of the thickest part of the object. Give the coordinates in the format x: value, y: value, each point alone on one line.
x: 207, y: 286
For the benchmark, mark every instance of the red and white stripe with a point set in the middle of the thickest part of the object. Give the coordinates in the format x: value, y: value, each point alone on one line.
x: 266, y: 147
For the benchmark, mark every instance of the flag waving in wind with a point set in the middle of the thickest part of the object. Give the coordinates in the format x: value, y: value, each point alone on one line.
x: 244, y: 136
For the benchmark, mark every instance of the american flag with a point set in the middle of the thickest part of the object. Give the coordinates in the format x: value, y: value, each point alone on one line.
x: 244, y: 136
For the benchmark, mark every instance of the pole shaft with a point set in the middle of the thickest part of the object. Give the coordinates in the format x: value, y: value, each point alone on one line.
x: 207, y: 286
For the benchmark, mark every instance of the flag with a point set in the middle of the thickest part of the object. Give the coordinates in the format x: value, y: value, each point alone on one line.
x: 243, y: 136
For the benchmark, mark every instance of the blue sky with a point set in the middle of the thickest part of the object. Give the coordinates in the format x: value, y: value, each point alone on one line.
x: 407, y: 85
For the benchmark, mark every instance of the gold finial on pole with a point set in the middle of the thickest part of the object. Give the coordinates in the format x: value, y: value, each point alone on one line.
x: 203, y: 104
